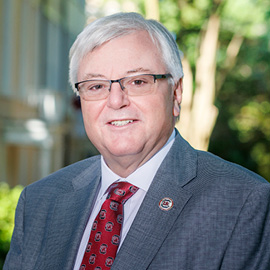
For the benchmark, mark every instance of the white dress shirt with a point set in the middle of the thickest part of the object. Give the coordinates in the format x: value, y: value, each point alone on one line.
x: 142, y: 178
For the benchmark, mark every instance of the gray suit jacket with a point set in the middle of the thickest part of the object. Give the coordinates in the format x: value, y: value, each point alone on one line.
x: 220, y: 218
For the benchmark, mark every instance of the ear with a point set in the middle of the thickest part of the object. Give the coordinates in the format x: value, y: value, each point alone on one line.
x: 177, y: 97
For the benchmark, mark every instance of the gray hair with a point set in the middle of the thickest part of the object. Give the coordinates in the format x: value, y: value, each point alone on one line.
x: 107, y: 28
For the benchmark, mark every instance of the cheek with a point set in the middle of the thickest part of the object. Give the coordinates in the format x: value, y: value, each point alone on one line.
x: 165, y: 106
x: 161, y: 110
x: 85, y: 114
x: 90, y: 114
x: 92, y: 109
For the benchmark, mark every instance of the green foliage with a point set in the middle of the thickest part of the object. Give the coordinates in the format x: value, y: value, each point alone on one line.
x: 8, y: 201
x: 242, y: 132
x: 169, y: 14
x: 245, y: 17
x: 253, y: 117
x: 253, y: 122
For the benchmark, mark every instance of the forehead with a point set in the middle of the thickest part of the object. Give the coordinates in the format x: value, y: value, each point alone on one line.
x: 122, y: 55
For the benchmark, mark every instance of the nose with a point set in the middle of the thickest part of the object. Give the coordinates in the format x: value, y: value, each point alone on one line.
x: 117, y: 98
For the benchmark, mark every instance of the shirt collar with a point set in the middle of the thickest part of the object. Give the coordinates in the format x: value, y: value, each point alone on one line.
x: 143, y: 176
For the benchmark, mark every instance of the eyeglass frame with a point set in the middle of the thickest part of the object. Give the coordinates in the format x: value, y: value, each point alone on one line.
x: 155, y: 76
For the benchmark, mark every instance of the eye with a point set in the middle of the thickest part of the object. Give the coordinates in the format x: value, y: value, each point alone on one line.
x: 94, y: 86
x: 139, y: 81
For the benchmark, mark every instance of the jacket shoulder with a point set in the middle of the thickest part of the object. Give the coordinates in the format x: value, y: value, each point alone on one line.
x: 63, y: 179
x: 210, y: 164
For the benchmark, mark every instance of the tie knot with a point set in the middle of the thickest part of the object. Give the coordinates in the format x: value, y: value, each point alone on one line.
x: 121, y: 192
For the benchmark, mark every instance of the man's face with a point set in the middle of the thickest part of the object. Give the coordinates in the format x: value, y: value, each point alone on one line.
x: 125, y: 143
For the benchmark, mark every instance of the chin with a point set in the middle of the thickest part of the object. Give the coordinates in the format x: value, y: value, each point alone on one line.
x: 124, y: 150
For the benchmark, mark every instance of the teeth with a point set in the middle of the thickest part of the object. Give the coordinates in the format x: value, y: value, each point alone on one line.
x: 121, y: 123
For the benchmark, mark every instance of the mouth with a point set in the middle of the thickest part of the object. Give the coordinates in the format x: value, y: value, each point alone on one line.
x: 120, y: 123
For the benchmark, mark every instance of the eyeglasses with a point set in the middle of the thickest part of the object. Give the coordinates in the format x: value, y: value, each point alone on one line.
x: 136, y: 85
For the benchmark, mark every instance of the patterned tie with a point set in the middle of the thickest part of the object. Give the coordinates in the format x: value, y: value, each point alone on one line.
x: 105, y: 235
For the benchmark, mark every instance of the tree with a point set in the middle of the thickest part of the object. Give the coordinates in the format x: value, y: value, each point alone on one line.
x: 225, y: 46
x: 215, y: 35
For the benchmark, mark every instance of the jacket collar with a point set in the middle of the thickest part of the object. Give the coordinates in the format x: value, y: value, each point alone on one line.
x: 153, y: 223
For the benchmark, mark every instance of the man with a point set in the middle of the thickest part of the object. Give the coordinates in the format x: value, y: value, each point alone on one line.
x: 192, y: 210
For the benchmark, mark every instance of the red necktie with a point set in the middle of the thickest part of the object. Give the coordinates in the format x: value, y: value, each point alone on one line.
x: 105, y: 235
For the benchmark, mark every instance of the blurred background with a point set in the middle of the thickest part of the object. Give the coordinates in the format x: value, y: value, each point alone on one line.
x: 225, y: 48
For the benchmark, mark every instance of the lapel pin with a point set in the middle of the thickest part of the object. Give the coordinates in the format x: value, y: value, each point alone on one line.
x: 166, y: 204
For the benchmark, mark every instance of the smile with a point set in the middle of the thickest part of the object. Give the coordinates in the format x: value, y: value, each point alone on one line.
x: 120, y: 123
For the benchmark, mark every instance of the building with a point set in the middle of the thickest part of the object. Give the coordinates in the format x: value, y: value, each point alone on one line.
x: 38, y: 126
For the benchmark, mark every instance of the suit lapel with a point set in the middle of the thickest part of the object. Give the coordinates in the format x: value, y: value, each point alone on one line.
x: 69, y: 219
x: 152, y: 224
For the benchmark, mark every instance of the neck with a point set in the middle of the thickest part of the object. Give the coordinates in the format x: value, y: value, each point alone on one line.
x: 126, y: 164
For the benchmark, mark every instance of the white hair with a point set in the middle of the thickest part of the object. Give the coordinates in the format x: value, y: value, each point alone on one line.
x: 107, y: 28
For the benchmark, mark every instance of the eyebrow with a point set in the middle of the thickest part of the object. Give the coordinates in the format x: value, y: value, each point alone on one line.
x: 89, y: 76
x: 138, y: 70
x: 92, y: 75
